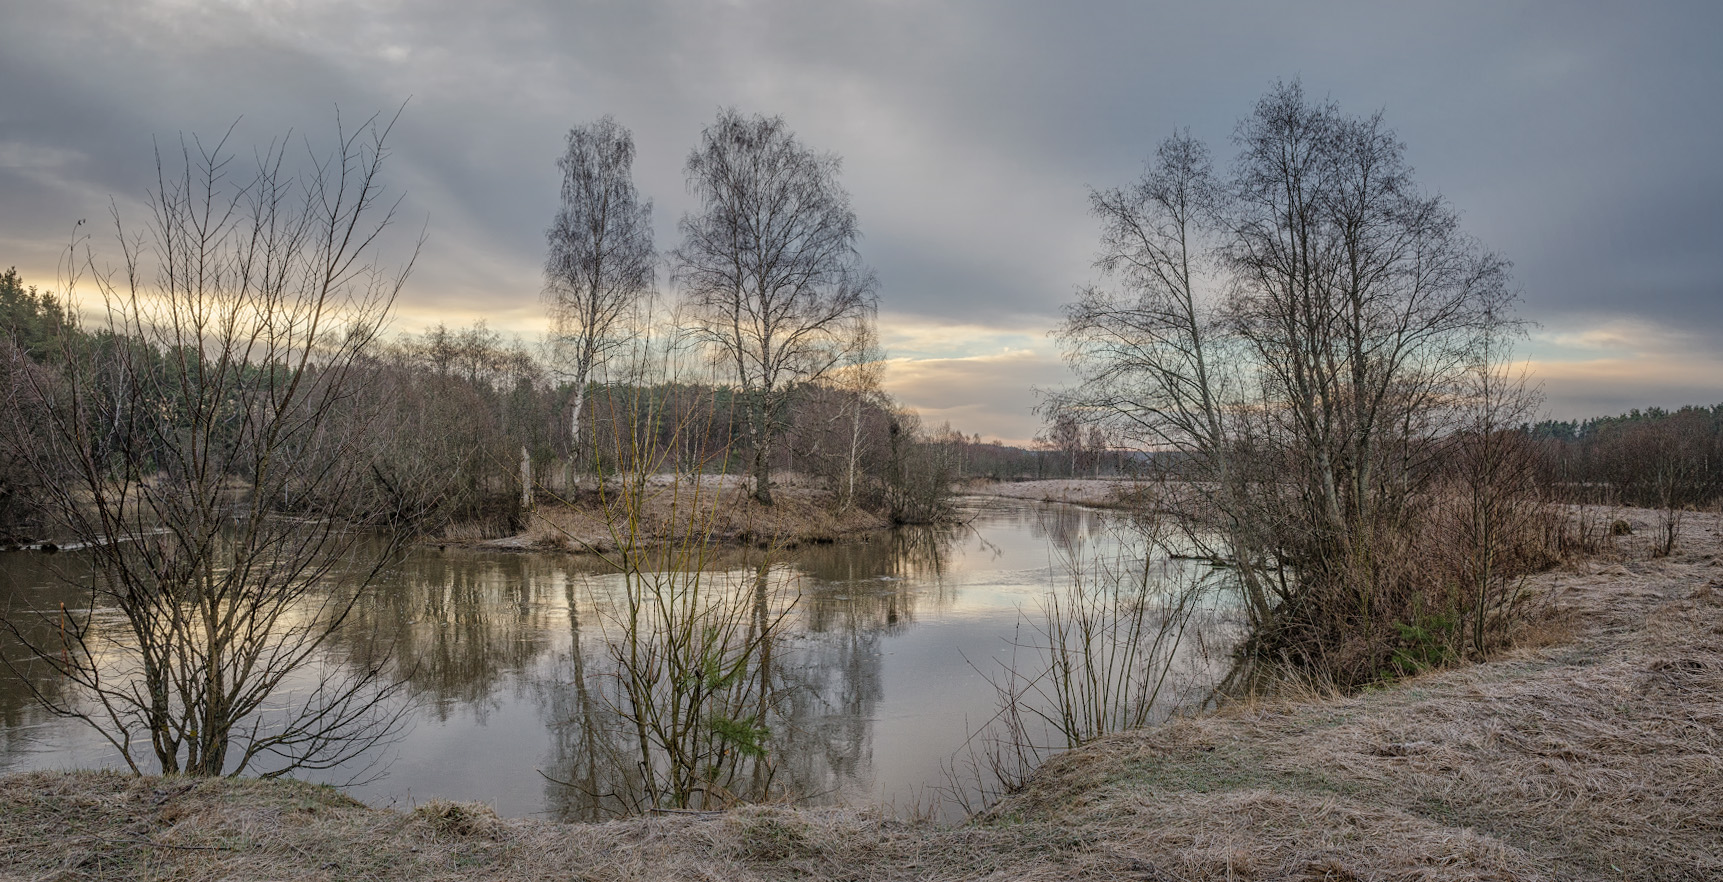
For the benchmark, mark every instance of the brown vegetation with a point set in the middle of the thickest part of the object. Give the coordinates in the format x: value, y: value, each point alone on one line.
x: 801, y: 514
x: 1082, y: 491
x: 1593, y: 751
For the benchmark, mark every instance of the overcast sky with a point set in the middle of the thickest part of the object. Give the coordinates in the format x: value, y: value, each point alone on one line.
x: 1581, y: 140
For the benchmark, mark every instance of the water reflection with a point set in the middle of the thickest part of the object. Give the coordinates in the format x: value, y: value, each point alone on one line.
x: 460, y: 627
x: 514, y: 678
x: 33, y: 588
x: 818, y: 686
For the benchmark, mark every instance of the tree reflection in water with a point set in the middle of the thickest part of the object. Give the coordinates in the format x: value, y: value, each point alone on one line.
x: 809, y: 692
x: 460, y: 626
x: 511, y: 661
x: 31, y: 588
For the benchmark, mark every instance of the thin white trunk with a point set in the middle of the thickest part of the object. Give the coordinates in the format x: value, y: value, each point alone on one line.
x: 855, y: 452
x: 525, y: 478
x: 574, y: 447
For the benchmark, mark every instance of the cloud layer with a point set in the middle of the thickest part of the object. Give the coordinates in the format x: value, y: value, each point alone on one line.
x: 1579, y: 141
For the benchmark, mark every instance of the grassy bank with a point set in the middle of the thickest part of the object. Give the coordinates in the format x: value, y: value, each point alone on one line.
x: 1593, y: 751
x: 802, y: 514
x: 1098, y: 492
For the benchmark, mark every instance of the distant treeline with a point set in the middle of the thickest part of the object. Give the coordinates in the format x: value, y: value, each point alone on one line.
x: 443, y: 418
x: 1655, y: 458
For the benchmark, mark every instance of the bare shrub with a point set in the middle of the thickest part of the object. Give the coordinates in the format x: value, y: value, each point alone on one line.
x: 1096, y: 656
x: 1304, y: 349
x: 690, y: 647
x: 233, y: 337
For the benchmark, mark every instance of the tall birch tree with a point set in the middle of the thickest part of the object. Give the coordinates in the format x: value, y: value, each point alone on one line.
x: 601, y: 261
x: 769, y: 267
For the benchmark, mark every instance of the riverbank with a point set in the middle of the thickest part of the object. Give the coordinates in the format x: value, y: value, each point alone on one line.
x: 1593, y: 751
x: 1096, y: 492
x: 720, y: 506
x: 802, y: 513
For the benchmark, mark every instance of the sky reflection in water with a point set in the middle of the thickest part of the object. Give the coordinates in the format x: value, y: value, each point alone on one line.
x: 887, y: 649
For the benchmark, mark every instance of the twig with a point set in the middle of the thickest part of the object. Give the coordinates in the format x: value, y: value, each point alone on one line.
x: 144, y: 840
x: 179, y: 791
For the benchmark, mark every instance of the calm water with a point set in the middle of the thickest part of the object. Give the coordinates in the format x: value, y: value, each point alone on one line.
x: 889, y: 649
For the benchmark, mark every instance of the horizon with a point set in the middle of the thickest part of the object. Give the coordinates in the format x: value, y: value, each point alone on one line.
x: 1573, y: 143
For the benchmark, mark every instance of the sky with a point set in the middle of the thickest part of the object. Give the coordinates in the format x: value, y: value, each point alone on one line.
x: 1580, y: 140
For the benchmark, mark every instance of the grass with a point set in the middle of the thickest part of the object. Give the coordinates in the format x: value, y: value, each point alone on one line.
x: 801, y: 515
x: 1600, y: 758
x: 1593, y: 751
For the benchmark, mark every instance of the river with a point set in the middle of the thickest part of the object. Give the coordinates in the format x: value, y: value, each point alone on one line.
x: 886, y: 681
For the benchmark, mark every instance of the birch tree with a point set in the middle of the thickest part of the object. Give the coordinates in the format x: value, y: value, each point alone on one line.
x: 769, y: 267
x: 1300, y: 336
x: 601, y: 261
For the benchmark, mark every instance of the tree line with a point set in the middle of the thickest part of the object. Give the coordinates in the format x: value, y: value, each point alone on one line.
x: 1671, y: 461
x: 440, y: 417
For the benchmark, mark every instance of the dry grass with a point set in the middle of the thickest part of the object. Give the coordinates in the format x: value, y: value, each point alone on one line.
x: 802, y: 514
x: 1083, y: 491
x: 1596, y: 758
x: 90, y: 825
x: 1595, y: 754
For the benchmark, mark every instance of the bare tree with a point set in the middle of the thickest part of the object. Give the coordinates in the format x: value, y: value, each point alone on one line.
x: 859, y: 380
x: 1495, y: 466
x: 770, y: 266
x: 1155, y: 356
x: 232, y: 337
x: 601, y: 261
x: 1361, y: 300
x: 1299, y: 337
x: 838, y: 426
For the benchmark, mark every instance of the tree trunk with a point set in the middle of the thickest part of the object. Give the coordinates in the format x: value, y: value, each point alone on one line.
x: 575, y: 449
x: 525, y: 479
x: 760, y: 426
x: 855, y: 450
x: 763, y: 468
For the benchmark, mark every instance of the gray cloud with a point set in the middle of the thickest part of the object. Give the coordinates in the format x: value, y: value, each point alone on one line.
x: 1578, y: 139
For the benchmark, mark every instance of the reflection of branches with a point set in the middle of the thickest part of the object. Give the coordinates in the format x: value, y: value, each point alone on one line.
x: 919, y: 552
x: 831, y: 685
x: 459, y: 625
x: 823, y: 687
x: 813, y: 688
x: 1097, y: 658
x: 1067, y: 527
x: 686, y: 704
x: 592, y: 774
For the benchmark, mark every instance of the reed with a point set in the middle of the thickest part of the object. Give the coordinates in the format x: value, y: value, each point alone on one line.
x: 1098, y: 654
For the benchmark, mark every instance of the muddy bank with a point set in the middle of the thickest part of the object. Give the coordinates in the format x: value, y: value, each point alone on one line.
x: 1593, y: 751
x: 803, y: 513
